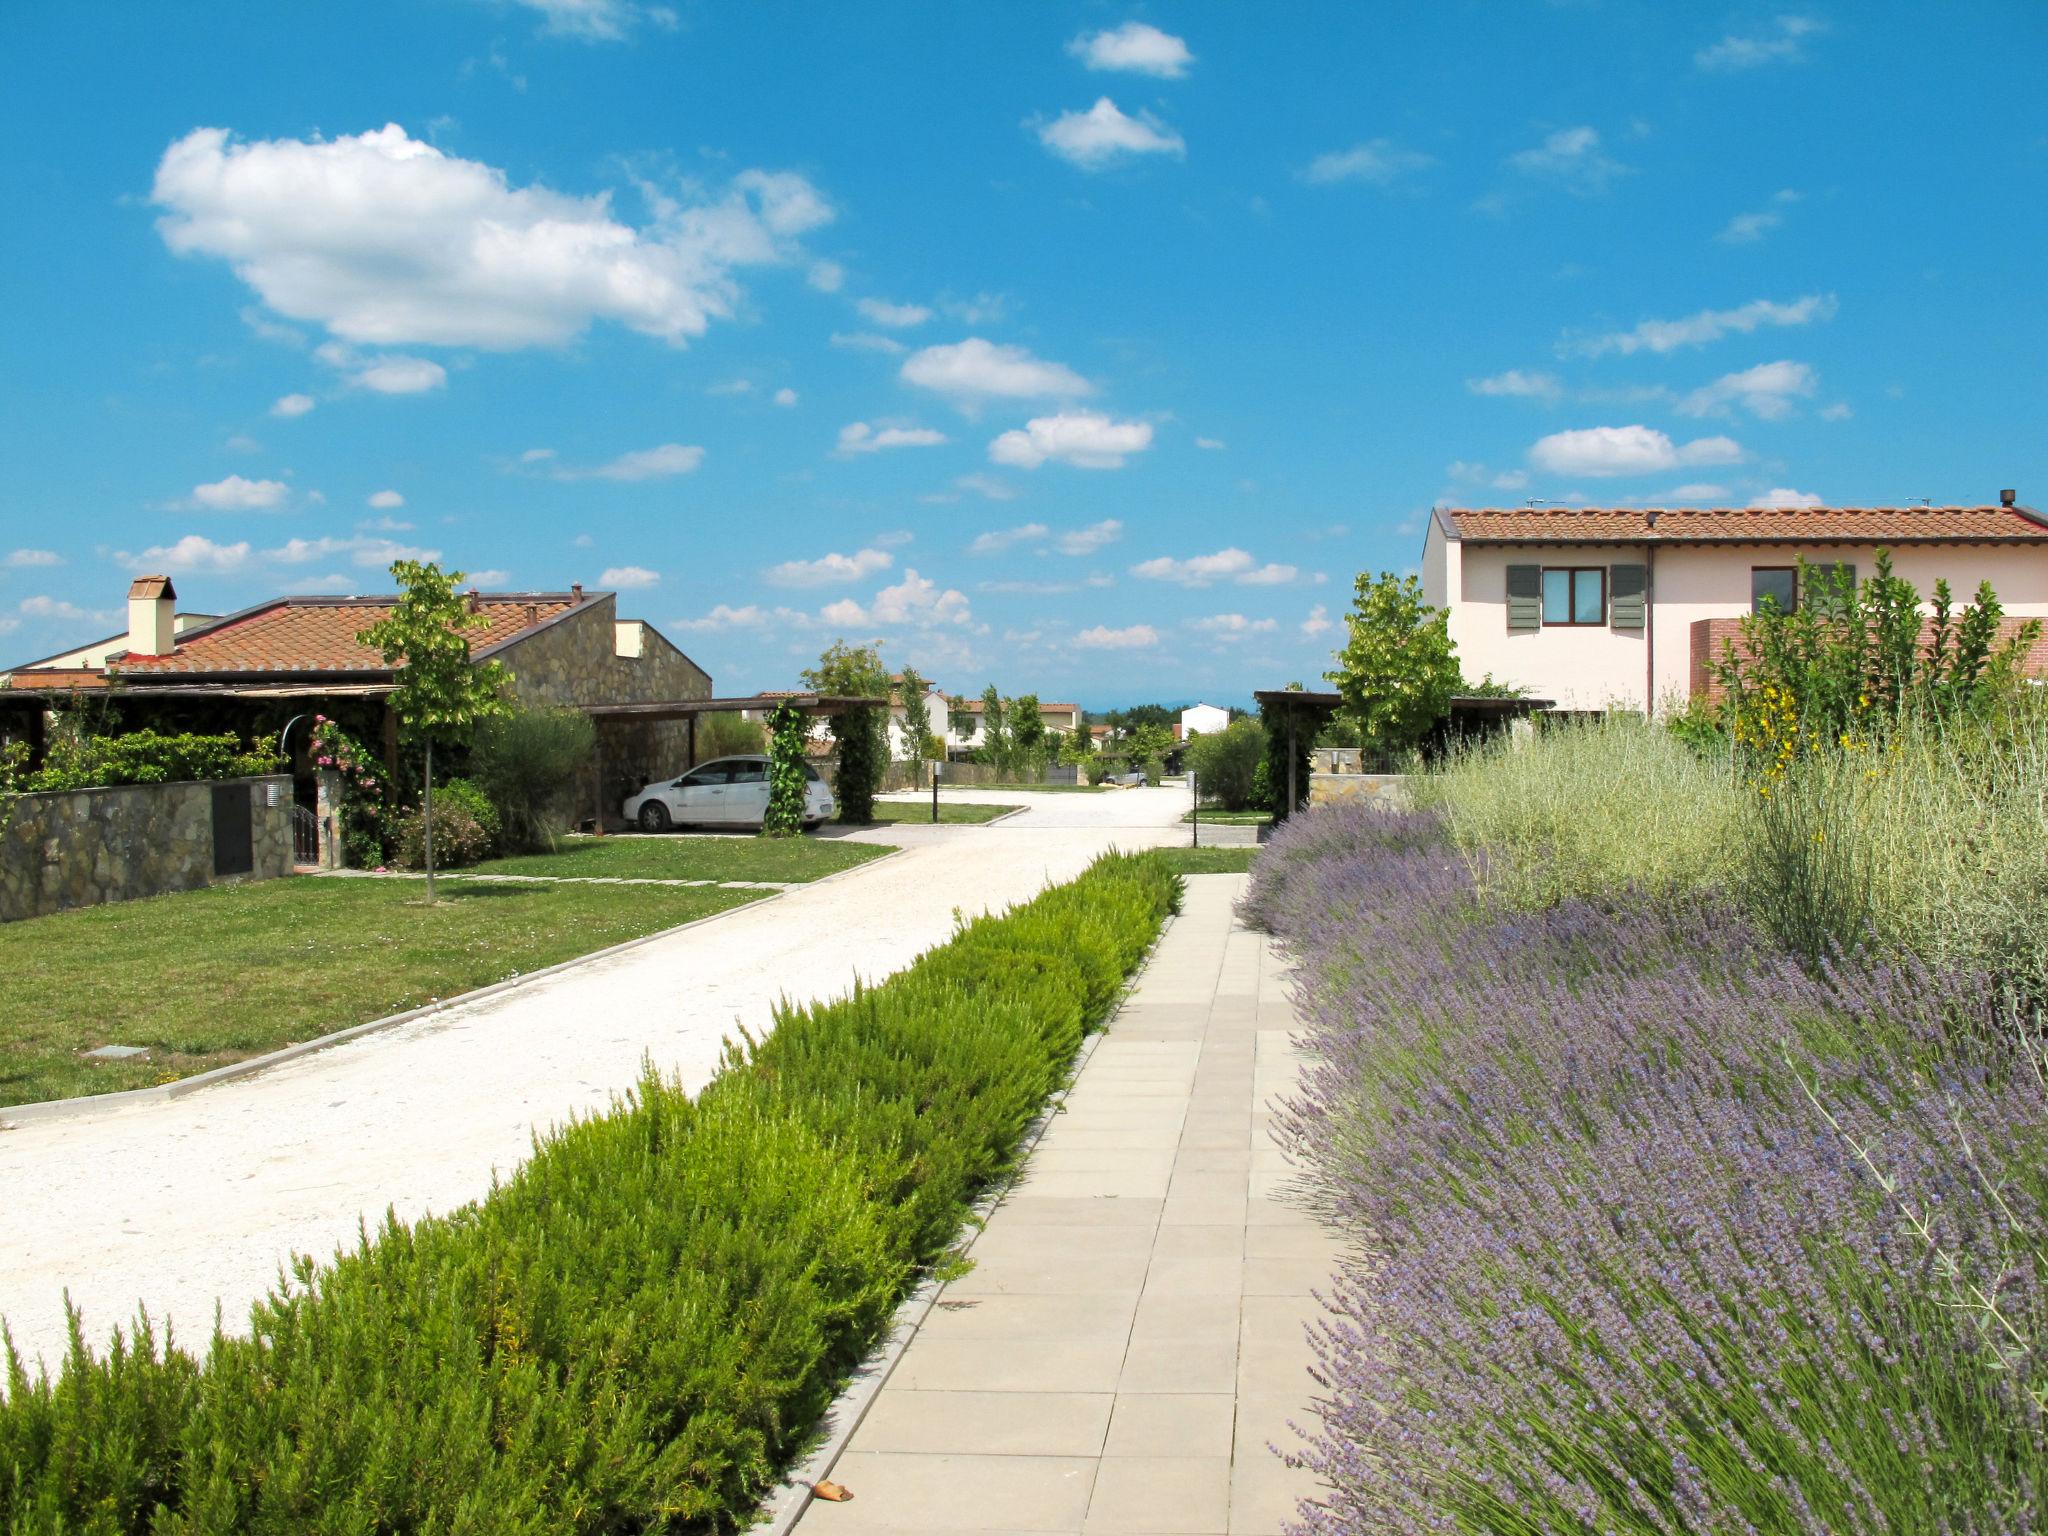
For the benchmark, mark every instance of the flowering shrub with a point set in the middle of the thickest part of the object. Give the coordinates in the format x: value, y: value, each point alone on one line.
x: 365, y: 796
x: 1653, y: 1229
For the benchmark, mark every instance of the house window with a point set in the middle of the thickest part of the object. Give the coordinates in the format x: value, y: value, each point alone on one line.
x: 1575, y: 596
x: 1777, y: 583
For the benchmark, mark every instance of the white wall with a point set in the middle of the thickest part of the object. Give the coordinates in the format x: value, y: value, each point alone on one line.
x: 1206, y: 718
x: 900, y: 745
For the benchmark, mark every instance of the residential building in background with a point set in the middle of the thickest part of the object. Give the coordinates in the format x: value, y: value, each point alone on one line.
x: 1202, y: 720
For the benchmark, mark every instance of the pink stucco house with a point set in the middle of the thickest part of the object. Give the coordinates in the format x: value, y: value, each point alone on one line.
x: 1621, y: 608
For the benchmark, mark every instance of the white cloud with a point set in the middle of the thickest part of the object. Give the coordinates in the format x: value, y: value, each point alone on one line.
x: 1766, y: 391
x: 1102, y: 136
x: 1572, y: 159
x: 1786, y: 499
x: 975, y: 370
x: 867, y: 341
x: 895, y: 316
x: 1783, y: 42
x: 1134, y: 48
x: 749, y: 616
x: 1225, y: 565
x: 1748, y: 228
x: 785, y: 397
x: 1709, y: 325
x: 385, y: 501
x: 996, y: 540
x: 1510, y: 480
x: 1317, y: 622
x: 1700, y: 492
x: 1229, y: 627
x: 536, y: 455
x: 1084, y: 439
x: 1271, y: 575
x: 826, y: 276
x: 53, y: 608
x: 28, y: 559
x: 490, y: 580
x: 859, y: 437
x: 1381, y: 162
x: 584, y: 541
x: 731, y: 387
x: 292, y: 405
x: 598, y: 21
x: 628, y: 576
x: 832, y: 569
x: 393, y: 373
x: 385, y: 240
x: 1527, y: 386
x: 642, y: 464
x: 1085, y: 541
x: 1633, y: 450
x: 1028, y: 588
x: 1213, y: 444
x: 192, y: 553
x: 987, y: 486
x: 368, y: 552
x: 914, y: 602
x: 235, y: 494
x: 1839, y: 411
x: 1136, y: 637
x: 386, y: 525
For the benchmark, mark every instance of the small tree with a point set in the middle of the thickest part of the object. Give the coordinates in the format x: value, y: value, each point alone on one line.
x: 788, y: 729
x: 995, y: 730
x: 1027, y: 728
x: 917, y: 715
x: 1398, y: 668
x: 1226, y: 762
x: 441, y: 692
x: 861, y: 732
x: 1144, y: 742
x: 1076, y: 747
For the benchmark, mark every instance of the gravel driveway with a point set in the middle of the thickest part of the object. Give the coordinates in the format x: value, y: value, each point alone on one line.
x: 187, y: 1202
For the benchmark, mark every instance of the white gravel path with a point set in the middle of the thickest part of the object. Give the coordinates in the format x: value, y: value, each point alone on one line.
x: 187, y: 1203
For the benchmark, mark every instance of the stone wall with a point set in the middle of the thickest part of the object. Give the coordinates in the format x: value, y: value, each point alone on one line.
x: 575, y: 660
x: 1387, y: 789
x: 77, y: 848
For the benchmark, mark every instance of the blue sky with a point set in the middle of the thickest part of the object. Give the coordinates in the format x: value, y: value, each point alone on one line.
x: 1085, y: 349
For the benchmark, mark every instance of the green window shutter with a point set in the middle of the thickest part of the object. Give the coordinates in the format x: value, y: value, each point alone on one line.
x: 1525, y: 597
x: 1627, y: 590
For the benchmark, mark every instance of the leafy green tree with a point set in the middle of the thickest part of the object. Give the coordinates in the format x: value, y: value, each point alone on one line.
x: 995, y: 730
x: 788, y: 729
x: 1027, y: 727
x: 1077, y: 747
x: 862, y: 731
x: 441, y: 693
x: 1144, y: 742
x: 917, y: 714
x: 728, y: 734
x: 1226, y: 761
x: 1398, y: 668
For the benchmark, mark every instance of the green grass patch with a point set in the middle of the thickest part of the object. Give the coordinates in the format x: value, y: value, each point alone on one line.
x: 951, y: 813
x: 204, y: 978
x: 1224, y: 818
x: 639, y: 1329
x: 1205, y: 861
x: 683, y: 857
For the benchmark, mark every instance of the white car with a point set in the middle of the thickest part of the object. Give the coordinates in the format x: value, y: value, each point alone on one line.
x: 725, y: 792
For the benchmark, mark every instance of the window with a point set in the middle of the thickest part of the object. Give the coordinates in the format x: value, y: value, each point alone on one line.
x: 1777, y: 583
x: 710, y: 774
x: 746, y: 772
x: 1575, y: 596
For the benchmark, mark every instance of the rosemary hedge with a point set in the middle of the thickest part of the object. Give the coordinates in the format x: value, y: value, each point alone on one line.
x: 640, y: 1328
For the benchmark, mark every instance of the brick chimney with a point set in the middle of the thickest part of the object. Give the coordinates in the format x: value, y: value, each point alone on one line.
x: 532, y: 614
x: 2008, y: 498
x: 576, y: 592
x: 152, y: 616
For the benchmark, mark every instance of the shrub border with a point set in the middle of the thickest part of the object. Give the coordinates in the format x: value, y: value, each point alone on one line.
x: 17, y: 1116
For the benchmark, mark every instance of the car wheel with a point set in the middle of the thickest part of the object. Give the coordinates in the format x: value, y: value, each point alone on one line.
x: 654, y: 817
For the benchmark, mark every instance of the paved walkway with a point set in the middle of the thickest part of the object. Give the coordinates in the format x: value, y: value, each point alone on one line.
x: 185, y: 1203
x: 1131, y: 1340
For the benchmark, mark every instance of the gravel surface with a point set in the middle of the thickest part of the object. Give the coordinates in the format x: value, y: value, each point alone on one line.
x: 183, y: 1204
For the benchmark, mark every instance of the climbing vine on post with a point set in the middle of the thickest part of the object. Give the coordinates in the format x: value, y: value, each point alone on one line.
x: 788, y: 728
x: 861, y: 731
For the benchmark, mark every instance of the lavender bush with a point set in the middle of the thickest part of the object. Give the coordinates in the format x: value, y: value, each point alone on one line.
x: 1656, y: 1231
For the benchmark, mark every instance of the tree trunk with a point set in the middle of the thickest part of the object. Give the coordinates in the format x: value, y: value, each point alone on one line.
x: 427, y: 818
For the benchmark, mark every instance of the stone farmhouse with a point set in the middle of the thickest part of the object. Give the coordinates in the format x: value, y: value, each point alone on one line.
x: 1604, y: 608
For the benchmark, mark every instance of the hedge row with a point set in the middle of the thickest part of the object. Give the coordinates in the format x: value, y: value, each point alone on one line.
x: 640, y: 1328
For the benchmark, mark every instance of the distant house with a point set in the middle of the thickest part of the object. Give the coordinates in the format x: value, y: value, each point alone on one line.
x: 966, y: 733
x: 1203, y: 719
x: 901, y: 747
x: 1601, y: 608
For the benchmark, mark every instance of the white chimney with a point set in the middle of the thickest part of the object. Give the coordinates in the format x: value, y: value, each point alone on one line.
x: 152, y: 616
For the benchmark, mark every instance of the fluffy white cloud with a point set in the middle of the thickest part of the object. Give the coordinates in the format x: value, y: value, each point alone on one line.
x: 1748, y: 228
x: 53, y: 608
x: 192, y: 553
x: 895, y: 316
x: 292, y: 405
x: 867, y: 341
x: 1134, y: 48
x: 1633, y: 450
x: 1225, y: 565
x: 1271, y: 574
x: 996, y: 540
x: 1709, y: 325
x: 975, y: 370
x: 385, y: 501
x: 386, y: 240
x: 832, y: 569
x: 1213, y: 444
x: 368, y: 552
x: 1839, y: 411
x: 1228, y: 627
x: 859, y: 437
x: 599, y: 21
x: 28, y: 559
x: 914, y: 602
x: 236, y: 494
x: 785, y: 397
x: 1084, y: 439
x: 1380, y: 162
x: 1102, y: 136
x: 1085, y: 541
x: 1782, y: 42
x: 1767, y: 391
x: 987, y: 486
x: 1528, y: 386
x: 642, y: 464
x: 625, y: 577
x: 393, y: 373
x: 1784, y: 498
x: 1317, y: 622
x: 1135, y: 637
x: 1572, y: 159
x: 826, y: 276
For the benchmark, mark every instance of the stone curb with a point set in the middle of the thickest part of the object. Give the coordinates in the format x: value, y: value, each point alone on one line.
x: 16, y: 1116
x: 784, y: 1506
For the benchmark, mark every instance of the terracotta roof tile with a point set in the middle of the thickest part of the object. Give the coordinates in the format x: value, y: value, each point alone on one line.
x: 1684, y: 525
x: 313, y: 634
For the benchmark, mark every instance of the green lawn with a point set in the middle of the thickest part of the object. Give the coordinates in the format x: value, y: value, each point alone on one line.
x: 669, y: 857
x: 1207, y: 861
x: 1224, y: 818
x: 950, y: 812
x: 208, y: 977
